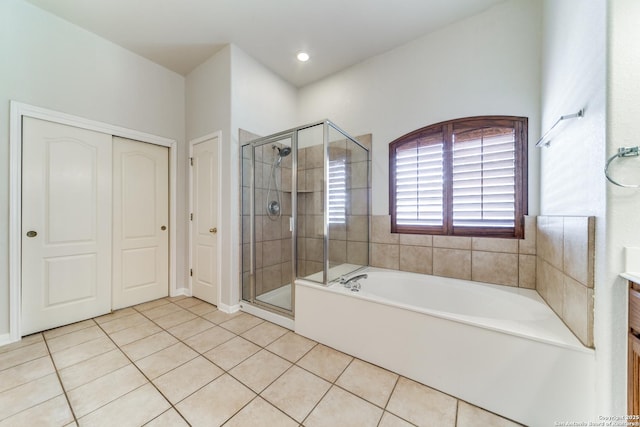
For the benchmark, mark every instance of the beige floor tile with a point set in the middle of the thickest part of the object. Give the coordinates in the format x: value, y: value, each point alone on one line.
x: 232, y: 352
x: 265, y: 333
x: 30, y: 394
x: 163, y: 310
x: 368, y: 381
x: 177, y: 298
x: 129, y: 335
x: 53, y: 412
x: 296, y: 392
x: 291, y: 346
x: 241, y: 323
x: 28, y: 340
x: 325, y: 362
x: 114, y: 315
x: 62, y: 330
x: 175, y: 318
x: 218, y: 316
x: 124, y: 322
x: 202, y: 308
x: 22, y: 354
x: 91, y: 369
x: 72, y: 339
x: 190, y: 328
x: 132, y: 409
x: 471, y: 416
x: 216, y: 402
x: 342, y: 408
x: 25, y: 372
x: 149, y: 345
x: 170, y: 418
x: 99, y: 392
x: 205, y: 341
x: 84, y: 351
x: 390, y: 420
x: 151, y: 304
x: 165, y: 360
x: 259, y: 413
x: 260, y: 370
x: 188, y: 302
x: 422, y: 405
x: 186, y: 379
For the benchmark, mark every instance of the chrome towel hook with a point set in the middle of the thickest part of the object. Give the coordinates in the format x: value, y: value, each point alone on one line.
x: 622, y: 152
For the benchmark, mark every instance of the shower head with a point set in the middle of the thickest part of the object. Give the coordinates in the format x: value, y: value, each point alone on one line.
x: 284, y: 152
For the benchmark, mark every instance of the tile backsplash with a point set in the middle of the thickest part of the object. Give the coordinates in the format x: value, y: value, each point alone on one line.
x: 500, y: 261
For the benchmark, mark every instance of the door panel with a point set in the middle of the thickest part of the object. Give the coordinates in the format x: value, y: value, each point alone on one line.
x: 66, y: 202
x: 140, y: 211
x: 204, y: 241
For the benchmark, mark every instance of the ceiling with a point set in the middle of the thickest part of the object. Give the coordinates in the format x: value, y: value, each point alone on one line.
x: 181, y: 34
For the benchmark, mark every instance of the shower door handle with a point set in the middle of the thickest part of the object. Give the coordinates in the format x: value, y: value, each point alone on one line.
x: 213, y: 230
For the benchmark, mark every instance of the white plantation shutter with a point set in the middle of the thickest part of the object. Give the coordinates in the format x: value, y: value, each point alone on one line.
x: 419, y: 175
x: 484, y: 178
x: 337, y: 191
x: 461, y: 177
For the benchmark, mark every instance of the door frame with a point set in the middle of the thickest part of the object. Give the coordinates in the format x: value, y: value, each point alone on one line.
x: 218, y: 135
x: 19, y: 110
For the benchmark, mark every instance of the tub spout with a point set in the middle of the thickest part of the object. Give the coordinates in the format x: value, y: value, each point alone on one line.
x: 353, y: 281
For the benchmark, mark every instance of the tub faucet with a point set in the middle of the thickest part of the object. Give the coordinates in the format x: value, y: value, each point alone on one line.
x: 352, y: 283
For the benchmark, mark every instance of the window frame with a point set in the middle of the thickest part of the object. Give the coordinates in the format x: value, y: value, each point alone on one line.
x: 447, y: 128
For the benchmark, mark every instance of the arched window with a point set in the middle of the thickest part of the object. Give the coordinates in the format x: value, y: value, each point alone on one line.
x: 465, y: 177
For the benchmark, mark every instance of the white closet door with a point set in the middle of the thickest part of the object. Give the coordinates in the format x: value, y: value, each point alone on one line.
x: 140, y: 222
x: 204, y: 237
x: 66, y: 225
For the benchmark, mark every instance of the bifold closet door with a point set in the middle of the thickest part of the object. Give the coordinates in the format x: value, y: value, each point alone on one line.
x: 66, y: 224
x: 140, y: 222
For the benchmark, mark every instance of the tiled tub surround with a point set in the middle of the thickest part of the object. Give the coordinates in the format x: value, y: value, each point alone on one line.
x: 508, y: 262
x: 565, y: 270
x: 179, y: 361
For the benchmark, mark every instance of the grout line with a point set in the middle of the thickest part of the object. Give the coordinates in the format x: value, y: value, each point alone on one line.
x: 64, y: 389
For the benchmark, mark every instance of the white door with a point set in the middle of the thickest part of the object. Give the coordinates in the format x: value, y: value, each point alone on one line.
x: 66, y: 225
x: 140, y: 222
x: 204, y: 203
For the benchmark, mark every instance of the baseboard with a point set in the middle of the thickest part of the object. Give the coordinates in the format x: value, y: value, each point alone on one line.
x: 228, y: 308
x: 6, y: 339
x: 181, y: 291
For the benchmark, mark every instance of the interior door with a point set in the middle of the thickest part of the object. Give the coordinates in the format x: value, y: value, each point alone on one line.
x: 140, y: 222
x: 204, y: 220
x: 66, y: 225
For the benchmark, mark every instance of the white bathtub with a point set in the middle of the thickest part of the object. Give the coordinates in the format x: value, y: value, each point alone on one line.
x: 497, y: 347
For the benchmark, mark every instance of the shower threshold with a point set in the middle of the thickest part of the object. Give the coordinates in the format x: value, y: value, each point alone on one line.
x: 280, y: 297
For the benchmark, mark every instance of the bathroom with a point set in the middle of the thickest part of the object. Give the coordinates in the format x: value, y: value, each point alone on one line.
x: 563, y: 56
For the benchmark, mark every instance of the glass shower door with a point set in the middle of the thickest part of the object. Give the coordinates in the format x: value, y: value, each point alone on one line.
x: 267, y: 266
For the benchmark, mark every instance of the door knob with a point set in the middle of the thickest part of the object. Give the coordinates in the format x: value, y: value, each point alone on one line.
x: 32, y: 233
x: 164, y: 227
x: 213, y: 230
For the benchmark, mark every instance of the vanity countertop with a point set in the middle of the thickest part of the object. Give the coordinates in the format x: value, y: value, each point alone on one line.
x: 632, y: 276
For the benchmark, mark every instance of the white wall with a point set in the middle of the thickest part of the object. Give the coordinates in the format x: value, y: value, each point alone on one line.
x: 486, y: 64
x: 228, y: 92
x: 572, y: 182
x: 623, y: 205
x: 53, y: 64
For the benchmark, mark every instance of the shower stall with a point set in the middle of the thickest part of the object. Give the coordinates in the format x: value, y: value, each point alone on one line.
x: 304, y: 211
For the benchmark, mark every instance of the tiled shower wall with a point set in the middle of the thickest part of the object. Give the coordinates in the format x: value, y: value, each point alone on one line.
x: 565, y: 270
x: 508, y: 262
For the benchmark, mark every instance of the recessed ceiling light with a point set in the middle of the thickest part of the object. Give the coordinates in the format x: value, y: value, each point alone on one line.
x: 303, y: 56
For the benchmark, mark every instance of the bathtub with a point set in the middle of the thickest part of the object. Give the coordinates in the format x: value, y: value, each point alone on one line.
x: 497, y: 347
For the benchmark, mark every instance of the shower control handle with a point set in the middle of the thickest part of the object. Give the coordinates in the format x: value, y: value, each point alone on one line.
x: 213, y: 230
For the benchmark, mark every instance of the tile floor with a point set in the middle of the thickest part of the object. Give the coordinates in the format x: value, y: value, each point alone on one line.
x: 179, y: 361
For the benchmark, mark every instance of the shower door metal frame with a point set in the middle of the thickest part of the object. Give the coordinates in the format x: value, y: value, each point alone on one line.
x: 259, y: 142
